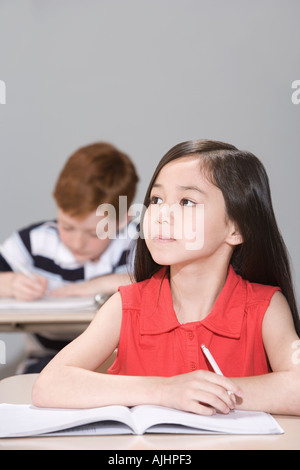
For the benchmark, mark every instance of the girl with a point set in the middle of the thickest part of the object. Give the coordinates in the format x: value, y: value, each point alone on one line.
x: 211, y: 267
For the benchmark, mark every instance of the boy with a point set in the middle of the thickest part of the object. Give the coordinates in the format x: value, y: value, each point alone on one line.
x: 66, y: 256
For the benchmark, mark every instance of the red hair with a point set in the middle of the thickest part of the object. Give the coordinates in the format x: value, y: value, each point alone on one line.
x: 95, y: 174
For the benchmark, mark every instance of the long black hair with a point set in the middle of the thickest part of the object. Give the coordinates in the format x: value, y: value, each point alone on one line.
x: 242, y: 178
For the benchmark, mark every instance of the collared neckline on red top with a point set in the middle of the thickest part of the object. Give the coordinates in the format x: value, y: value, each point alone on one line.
x: 226, y: 317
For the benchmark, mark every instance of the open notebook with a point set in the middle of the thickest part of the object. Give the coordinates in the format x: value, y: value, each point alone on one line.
x: 27, y: 420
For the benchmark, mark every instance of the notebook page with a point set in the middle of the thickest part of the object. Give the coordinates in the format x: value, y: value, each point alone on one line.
x: 235, y: 422
x: 28, y: 420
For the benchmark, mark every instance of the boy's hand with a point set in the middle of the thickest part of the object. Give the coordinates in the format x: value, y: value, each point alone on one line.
x: 25, y: 288
x: 200, y: 392
x: 71, y: 290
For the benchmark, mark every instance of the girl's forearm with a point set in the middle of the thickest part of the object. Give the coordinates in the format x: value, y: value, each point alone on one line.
x: 277, y: 392
x: 71, y: 387
x: 199, y: 392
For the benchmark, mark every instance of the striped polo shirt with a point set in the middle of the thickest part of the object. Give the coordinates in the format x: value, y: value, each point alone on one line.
x: 39, y: 248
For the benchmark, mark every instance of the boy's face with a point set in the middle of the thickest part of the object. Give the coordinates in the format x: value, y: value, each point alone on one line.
x: 79, y: 236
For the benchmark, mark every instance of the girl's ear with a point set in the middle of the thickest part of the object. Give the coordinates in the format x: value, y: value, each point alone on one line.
x: 234, y: 237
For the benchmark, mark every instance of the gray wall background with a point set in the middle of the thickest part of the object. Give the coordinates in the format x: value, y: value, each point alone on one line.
x: 144, y: 75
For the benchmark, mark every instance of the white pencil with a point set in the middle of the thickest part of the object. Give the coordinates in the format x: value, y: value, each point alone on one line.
x: 211, y: 360
x: 18, y: 267
x: 213, y: 363
x: 22, y: 269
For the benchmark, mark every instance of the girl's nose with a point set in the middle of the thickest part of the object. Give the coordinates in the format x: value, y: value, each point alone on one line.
x: 163, y: 213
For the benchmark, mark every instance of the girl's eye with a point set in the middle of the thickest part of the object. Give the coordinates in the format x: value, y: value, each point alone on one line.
x: 187, y: 202
x: 155, y: 200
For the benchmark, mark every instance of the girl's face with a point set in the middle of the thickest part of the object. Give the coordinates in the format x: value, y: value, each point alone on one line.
x: 186, y: 219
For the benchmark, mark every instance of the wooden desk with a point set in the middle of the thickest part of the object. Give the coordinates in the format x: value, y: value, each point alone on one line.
x: 17, y: 389
x: 45, y: 320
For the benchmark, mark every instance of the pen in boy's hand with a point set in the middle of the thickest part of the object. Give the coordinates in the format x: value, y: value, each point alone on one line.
x: 26, y: 272
x: 18, y: 267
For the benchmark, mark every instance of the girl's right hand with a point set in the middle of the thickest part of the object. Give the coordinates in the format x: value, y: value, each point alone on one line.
x: 24, y: 288
x: 200, y: 392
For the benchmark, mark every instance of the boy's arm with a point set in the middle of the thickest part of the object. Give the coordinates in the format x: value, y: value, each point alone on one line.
x: 278, y: 391
x: 6, y: 279
x: 107, y: 284
x: 15, y: 284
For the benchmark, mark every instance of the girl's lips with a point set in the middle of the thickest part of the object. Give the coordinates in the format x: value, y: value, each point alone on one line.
x: 163, y: 239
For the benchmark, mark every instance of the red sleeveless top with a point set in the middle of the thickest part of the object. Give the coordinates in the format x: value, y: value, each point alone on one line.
x: 154, y: 343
